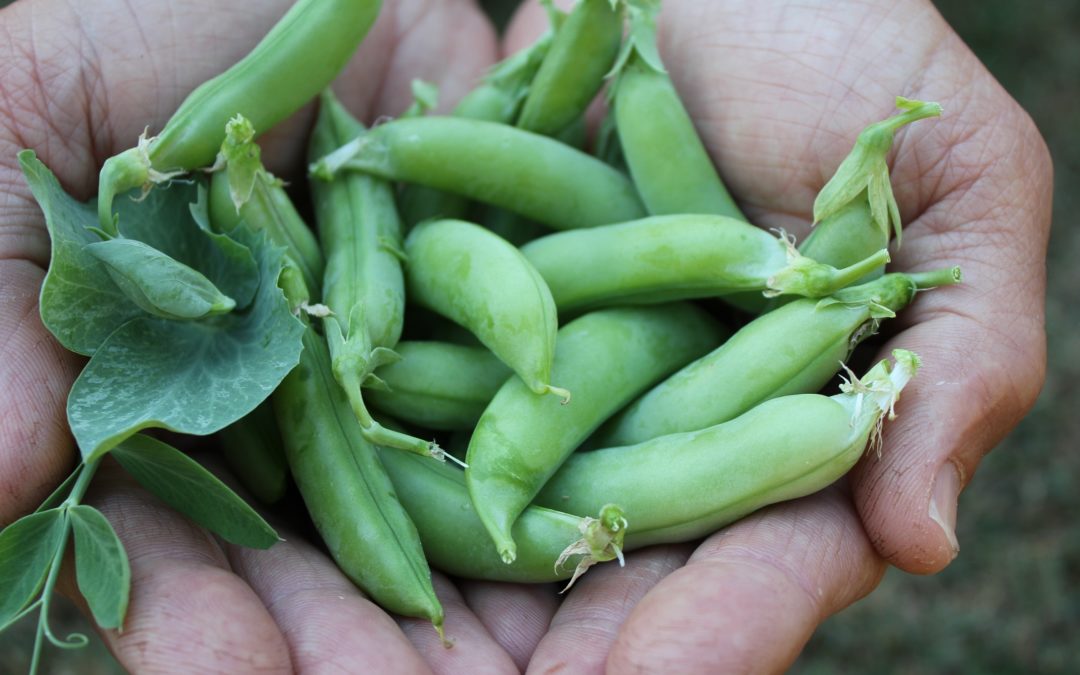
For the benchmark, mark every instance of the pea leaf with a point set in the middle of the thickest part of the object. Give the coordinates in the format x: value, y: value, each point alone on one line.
x: 101, y: 566
x: 191, y: 377
x: 80, y: 302
x: 27, y: 548
x: 180, y: 482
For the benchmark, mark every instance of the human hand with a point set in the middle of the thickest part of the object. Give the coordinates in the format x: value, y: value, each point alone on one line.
x: 778, y: 92
x: 77, y: 84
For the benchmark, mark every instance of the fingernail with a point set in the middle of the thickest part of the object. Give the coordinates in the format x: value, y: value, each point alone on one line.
x: 943, y: 499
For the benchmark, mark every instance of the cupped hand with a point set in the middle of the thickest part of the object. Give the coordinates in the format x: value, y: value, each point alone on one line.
x: 78, y: 83
x: 778, y: 91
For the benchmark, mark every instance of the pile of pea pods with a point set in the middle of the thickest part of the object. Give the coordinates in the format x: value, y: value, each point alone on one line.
x: 478, y: 290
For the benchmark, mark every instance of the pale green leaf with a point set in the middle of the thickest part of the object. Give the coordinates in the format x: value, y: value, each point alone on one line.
x: 180, y: 482
x: 27, y: 548
x: 101, y: 566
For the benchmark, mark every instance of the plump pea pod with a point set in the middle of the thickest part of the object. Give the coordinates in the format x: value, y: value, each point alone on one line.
x: 482, y: 282
x: 554, y: 545
x: 685, y: 486
x: 363, y: 285
x: 606, y: 358
x: 299, y: 57
x: 242, y: 189
x: 666, y: 258
x: 533, y: 175
x: 667, y: 160
x: 252, y: 448
x: 439, y: 385
x: 157, y: 283
x: 497, y: 98
x: 347, y: 492
x: 795, y: 349
x: 573, y: 70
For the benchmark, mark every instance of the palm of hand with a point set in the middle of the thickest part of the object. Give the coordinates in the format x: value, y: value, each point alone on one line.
x: 778, y: 93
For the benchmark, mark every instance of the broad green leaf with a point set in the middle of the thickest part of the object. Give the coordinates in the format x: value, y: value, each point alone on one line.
x: 80, y: 303
x: 101, y: 566
x: 27, y: 548
x: 159, y: 284
x: 181, y: 483
x: 191, y: 377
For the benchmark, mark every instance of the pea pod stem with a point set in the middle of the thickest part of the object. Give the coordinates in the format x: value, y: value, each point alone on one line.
x: 300, y: 56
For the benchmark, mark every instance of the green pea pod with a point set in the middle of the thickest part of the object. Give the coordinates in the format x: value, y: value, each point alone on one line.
x: 606, y: 358
x: 158, y: 284
x: 685, y: 486
x: 533, y: 175
x: 554, y: 545
x: 482, y: 282
x: 363, y: 286
x: 347, y: 492
x: 497, y: 98
x: 296, y: 60
x: 252, y: 447
x: 243, y: 190
x: 573, y: 70
x: 675, y: 257
x: 439, y: 385
x: 795, y: 349
x: 667, y: 160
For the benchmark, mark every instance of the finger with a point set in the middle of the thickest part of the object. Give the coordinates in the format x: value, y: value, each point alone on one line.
x: 35, y: 375
x: 188, y: 612
x: 980, y: 184
x: 327, y: 623
x: 471, y: 650
x: 516, y: 615
x: 584, y: 629
x: 528, y: 22
x: 750, y: 596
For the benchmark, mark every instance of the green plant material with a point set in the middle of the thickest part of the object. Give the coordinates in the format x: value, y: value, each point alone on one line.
x: 252, y: 448
x: 27, y: 549
x: 101, y: 566
x: 189, y: 376
x: 425, y: 98
x: 181, y: 483
x: 865, y: 169
x: 158, y: 284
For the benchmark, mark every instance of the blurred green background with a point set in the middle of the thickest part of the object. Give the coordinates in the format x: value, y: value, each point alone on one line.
x: 1010, y: 603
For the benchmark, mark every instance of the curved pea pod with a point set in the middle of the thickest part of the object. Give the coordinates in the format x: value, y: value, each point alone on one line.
x: 795, y: 349
x: 554, y: 545
x: 157, y: 283
x: 606, y: 358
x: 667, y: 160
x: 582, y: 52
x: 300, y: 56
x: 439, y: 385
x: 685, y: 486
x: 347, y: 492
x: 252, y: 448
x: 666, y: 258
x: 529, y: 174
x: 483, y: 283
x: 243, y: 190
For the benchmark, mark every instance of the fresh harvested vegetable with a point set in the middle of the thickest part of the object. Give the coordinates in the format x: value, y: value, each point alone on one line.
x: 606, y: 357
x: 347, y: 492
x: 554, y: 545
x: 439, y: 385
x: 273, y: 81
x: 666, y: 258
x: 785, y: 448
x: 670, y: 166
x: 480, y: 281
x: 252, y: 447
x: 795, y: 349
x: 581, y: 54
x: 495, y: 164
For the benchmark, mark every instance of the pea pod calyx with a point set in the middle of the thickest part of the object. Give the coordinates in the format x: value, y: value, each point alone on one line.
x: 601, y: 540
x: 807, y: 277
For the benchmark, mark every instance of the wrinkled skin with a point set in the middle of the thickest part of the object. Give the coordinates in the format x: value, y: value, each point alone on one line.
x: 778, y: 91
